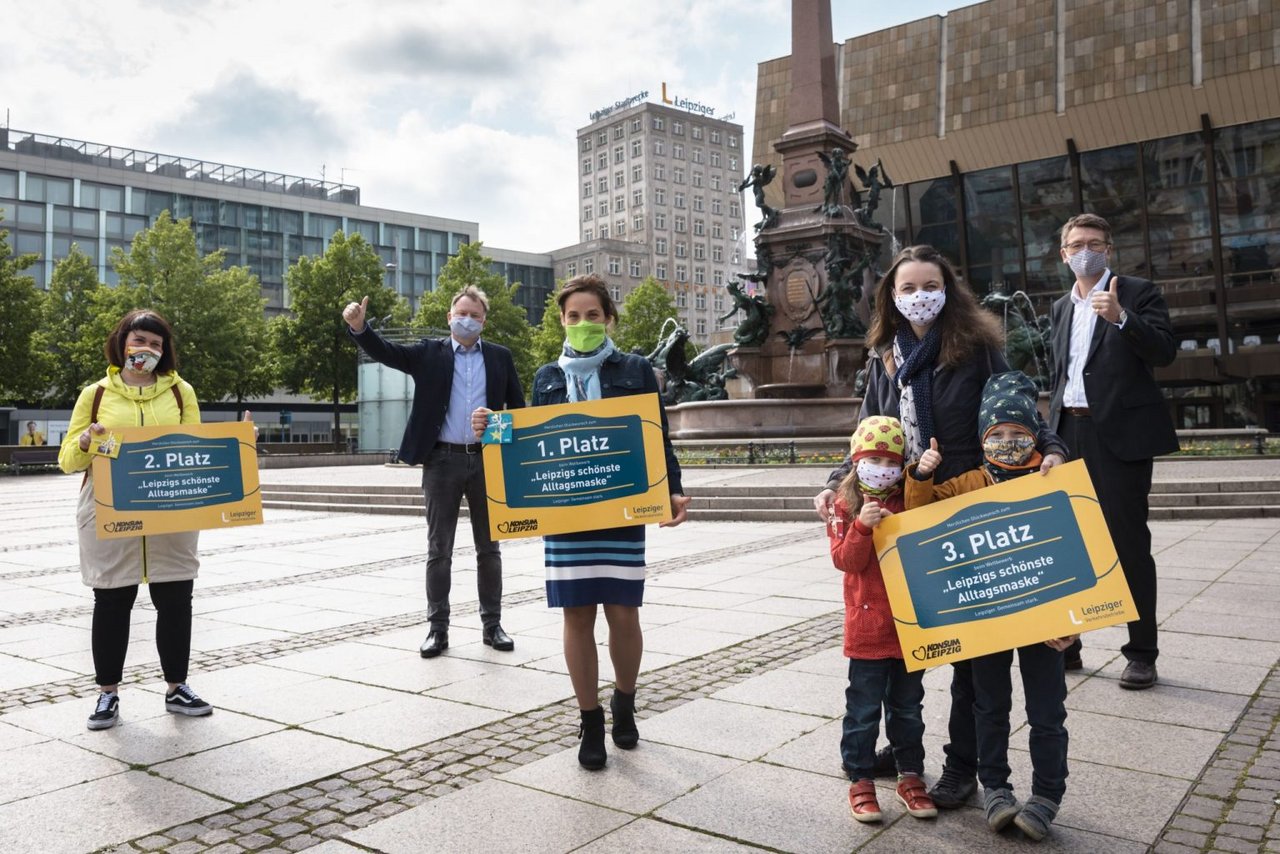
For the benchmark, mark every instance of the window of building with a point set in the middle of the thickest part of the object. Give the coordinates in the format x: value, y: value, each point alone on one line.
x: 682, y: 249
x: 637, y: 174
x: 733, y: 163
x: 637, y: 147
x: 586, y: 143
x: 677, y: 127
x: 696, y: 131
x: 717, y: 254
x: 659, y: 220
x: 604, y: 231
x: 619, y: 154
x: 658, y: 147
x: 637, y: 198
x: 733, y: 233
x: 618, y: 132
x: 635, y: 125
x: 602, y: 208
x: 680, y: 224
x: 716, y: 230
x: 588, y: 265
x: 716, y: 205
x: 697, y: 203
x: 571, y: 269
x: 697, y: 155
x: 733, y: 141
x: 41, y: 188
x: 586, y: 212
x: 602, y: 184
x: 637, y: 222
x: 699, y: 251
x: 679, y: 200
x: 660, y: 271
x: 615, y: 266
x: 588, y: 235
x: 619, y: 180
x: 682, y: 298
x: 734, y: 210
x: 602, y: 160
x: 677, y: 175
x: 697, y: 179
x: 677, y: 151
x: 701, y: 325
x: 660, y: 245
x: 634, y: 268
x: 700, y: 298
x: 715, y: 136
x: 659, y: 172
x: 615, y: 293
x: 715, y: 181
x: 603, y: 137
x: 735, y: 260
x: 619, y: 227
x: 659, y: 196
x: 682, y: 274
x: 586, y: 188
x: 659, y: 123
x: 715, y: 158
x: 717, y: 278
x: 104, y: 197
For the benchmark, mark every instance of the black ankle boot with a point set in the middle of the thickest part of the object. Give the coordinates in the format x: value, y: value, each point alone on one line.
x: 623, y: 707
x: 591, y: 753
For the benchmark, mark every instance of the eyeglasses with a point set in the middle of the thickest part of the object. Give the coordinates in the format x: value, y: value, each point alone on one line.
x: 1094, y: 246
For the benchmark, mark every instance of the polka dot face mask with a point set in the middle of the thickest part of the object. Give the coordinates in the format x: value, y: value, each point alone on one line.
x: 921, y: 306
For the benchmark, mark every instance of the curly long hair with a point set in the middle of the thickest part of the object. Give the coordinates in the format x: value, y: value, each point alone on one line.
x: 965, y: 326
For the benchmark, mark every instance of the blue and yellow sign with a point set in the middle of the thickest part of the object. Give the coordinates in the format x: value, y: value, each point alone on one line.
x: 1015, y: 563
x: 577, y: 467
x: 182, y: 477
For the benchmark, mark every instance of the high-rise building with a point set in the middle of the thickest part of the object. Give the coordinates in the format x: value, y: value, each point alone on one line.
x: 1001, y: 119
x: 658, y: 194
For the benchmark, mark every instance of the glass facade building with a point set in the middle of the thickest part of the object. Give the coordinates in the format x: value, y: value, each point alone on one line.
x: 1001, y: 120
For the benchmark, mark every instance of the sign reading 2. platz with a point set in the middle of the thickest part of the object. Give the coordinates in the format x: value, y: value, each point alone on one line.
x: 576, y: 467
x: 1012, y: 564
x: 182, y: 477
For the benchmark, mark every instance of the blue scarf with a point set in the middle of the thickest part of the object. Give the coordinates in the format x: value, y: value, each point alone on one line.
x: 582, y: 371
x: 916, y: 370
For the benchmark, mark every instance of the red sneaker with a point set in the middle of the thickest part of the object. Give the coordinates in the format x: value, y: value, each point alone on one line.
x: 913, y: 795
x: 863, y: 803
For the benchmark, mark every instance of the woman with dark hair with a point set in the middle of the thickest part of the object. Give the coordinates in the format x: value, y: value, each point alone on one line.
x: 599, y: 568
x: 141, y: 388
x: 931, y: 348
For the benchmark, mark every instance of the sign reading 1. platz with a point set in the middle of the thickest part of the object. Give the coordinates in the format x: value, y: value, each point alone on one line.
x: 576, y: 467
x: 1013, y: 564
x: 181, y: 477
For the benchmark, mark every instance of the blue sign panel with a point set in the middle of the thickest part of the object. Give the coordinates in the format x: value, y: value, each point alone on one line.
x: 575, y: 460
x: 994, y: 559
x: 177, y: 472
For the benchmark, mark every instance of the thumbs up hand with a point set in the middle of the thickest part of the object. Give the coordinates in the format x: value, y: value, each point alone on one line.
x: 1107, y: 302
x: 929, y: 460
x: 248, y: 419
x: 354, y: 314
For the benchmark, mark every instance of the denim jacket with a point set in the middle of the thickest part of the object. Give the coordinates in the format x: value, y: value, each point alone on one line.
x: 621, y: 374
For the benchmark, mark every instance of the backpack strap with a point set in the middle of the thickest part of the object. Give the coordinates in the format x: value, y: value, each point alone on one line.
x: 97, y: 401
x: 177, y: 395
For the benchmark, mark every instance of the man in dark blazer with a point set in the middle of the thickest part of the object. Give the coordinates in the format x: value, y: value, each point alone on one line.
x: 452, y: 378
x: 1109, y: 334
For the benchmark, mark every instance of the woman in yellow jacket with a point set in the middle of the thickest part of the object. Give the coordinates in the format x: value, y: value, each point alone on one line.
x: 142, y: 387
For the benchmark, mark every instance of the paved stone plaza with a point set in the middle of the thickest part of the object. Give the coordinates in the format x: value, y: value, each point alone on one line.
x: 332, y: 734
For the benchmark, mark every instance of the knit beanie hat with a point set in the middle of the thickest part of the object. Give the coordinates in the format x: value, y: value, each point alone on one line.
x: 1008, y: 398
x: 878, y: 436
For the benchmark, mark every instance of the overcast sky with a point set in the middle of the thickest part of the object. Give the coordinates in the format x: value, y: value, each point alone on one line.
x: 457, y: 108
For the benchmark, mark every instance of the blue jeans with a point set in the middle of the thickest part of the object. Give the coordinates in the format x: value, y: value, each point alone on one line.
x: 882, y: 682
x: 1046, y: 692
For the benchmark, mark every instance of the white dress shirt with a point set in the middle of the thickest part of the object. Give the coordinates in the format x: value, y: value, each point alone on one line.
x: 1083, y: 320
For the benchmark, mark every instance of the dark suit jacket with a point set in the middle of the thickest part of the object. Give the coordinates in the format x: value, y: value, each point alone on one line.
x: 430, y: 363
x: 1125, y: 403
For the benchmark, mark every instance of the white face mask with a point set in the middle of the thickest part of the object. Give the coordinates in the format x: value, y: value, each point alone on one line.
x: 921, y: 306
x: 141, y: 361
x: 1086, y: 263
x: 878, y: 476
x: 465, y: 327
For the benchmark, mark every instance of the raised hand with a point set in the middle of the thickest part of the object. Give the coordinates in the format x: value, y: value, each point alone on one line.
x: 354, y: 314
x: 1107, y: 303
x: 873, y: 513
x: 929, y: 460
x: 248, y: 419
x: 824, y: 504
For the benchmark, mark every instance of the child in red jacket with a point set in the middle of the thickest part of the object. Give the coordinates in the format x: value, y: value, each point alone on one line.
x: 877, y: 675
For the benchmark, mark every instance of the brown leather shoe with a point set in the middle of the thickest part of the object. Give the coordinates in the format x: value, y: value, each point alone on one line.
x: 913, y: 795
x: 863, y: 803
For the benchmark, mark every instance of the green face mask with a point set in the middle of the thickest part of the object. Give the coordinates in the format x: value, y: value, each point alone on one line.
x: 585, y: 337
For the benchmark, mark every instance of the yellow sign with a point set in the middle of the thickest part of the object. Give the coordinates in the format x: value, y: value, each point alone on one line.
x: 578, y: 467
x: 1013, y: 564
x: 181, y: 477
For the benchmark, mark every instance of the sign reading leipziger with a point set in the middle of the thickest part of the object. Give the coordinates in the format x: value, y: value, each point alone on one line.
x: 674, y: 100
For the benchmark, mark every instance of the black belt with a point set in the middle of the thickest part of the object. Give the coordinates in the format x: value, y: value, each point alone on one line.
x: 473, y: 448
x: 1077, y: 411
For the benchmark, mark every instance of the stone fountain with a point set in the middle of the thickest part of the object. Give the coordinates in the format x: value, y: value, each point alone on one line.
x: 805, y: 308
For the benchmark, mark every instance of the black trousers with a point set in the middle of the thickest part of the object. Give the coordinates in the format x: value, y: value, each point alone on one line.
x: 111, y: 609
x: 1123, y: 489
x: 447, y: 476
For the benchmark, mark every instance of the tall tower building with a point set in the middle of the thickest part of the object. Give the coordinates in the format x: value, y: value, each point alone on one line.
x: 658, y: 195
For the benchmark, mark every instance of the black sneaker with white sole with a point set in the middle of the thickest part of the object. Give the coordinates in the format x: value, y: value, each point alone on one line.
x: 107, y: 713
x: 183, y: 701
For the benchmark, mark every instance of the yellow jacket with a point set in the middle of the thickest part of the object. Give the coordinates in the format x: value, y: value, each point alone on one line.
x: 36, y: 438
x: 128, y: 560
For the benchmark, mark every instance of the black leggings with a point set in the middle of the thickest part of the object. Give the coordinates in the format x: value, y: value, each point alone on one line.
x: 111, y: 609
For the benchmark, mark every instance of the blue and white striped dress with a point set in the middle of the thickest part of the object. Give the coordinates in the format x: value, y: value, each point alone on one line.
x: 595, y: 567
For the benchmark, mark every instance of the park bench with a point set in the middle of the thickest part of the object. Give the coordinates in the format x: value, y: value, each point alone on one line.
x: 33, y: 458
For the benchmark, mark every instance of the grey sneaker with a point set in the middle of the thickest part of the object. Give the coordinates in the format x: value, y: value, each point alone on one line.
x: 107, y: 713
x: 1035, y: 817
x: 183, y: 701
x: 1000, y: 807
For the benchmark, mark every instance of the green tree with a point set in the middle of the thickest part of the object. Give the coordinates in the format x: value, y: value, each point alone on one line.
x: 505, y: 323
x: 68, y: 333
x: 316, y: 355
x: 216, y: 314
x: 21, y: 310
x: 643, y: 313
x: 548, y: 338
